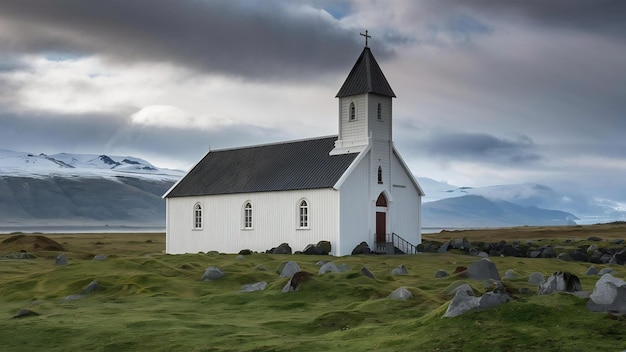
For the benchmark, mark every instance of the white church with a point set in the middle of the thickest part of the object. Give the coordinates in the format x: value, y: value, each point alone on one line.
x: 346, y: 189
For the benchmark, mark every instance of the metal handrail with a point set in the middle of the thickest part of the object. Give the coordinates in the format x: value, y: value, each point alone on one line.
x: 402, y: 244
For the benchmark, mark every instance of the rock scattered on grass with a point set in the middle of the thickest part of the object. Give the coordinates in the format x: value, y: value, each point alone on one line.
x: 61, y: 259
x: 400, y: 270
x: 283, y: 248
x: 296, y: 280
x: 100, y: 257
x: 367, y: 273
x: 441, y: 273
x: 321, y: 248
x: 24, y: 312
x: 536, y: 278
x: 361, y: 248
x: 289, y: 269
x: 258, y: 286
x: 510, y: 274
x: 343, y: 267
x: 592, y: 271
x: 212, y: 273
x: 19, y: 255
x: 609, y: 294
x: 605, y: 271
x: 560, y: 282
x: 74, y: 297
x: 329, y: 267
x: 91, y: 287
x: 565, y: 257
x: 483, y: 269
x: 400, y: 294
x: 464, y: 301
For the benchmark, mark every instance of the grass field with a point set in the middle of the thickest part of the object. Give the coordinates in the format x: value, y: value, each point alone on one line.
x: 150, y: 301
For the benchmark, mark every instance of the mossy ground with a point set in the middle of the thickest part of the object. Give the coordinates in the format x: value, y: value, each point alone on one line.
x: 150, y: 301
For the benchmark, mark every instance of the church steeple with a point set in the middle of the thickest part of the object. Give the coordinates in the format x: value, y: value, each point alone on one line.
x: 366, y: 77
x: 365, y: 106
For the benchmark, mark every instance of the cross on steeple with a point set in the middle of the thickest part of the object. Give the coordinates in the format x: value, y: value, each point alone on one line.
x: 366, y: 36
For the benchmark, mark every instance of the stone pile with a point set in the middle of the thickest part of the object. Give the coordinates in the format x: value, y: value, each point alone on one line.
x: 613, y: 253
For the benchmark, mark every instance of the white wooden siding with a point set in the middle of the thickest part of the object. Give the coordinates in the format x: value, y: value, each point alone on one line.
x: 355, y: 130
x: 379, y: 129
x: 407, y: 205
x: 356, y: 209
x: 275, y: 221
x: 381, y: 151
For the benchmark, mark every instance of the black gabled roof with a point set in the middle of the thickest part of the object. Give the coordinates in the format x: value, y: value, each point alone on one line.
x: 366, y: 77
x: 304, y: 164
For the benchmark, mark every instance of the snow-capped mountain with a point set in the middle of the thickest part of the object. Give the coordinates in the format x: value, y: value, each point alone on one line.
x: 86, y: 165
x: 68, y: 190
x: 528, y: 196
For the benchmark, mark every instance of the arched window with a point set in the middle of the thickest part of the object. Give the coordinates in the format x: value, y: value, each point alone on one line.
x: 197, y: 216
x: 352, y: 112
x: 380, y: 175
x: 247, y: 215
x: 303, y: 213
x: 379, y: 113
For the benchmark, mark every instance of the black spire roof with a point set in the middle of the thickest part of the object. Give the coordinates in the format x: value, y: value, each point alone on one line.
x: 366, y: 77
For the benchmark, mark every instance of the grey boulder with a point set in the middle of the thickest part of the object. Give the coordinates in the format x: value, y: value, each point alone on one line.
x: 483, y: 269
x: 329, y: 267
x: 560, y: 282
x: 212, y: 273
x: 289, y: 269
x: 536, y: 278
x: 258, y: 286
x: 61, y: 259
x: 609, y: 294
x: 401, y: 294
x: 400, y: 270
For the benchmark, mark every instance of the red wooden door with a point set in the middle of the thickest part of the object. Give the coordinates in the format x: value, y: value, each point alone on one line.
x: 381, y: 227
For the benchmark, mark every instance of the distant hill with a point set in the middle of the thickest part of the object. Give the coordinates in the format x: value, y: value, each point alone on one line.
x: 81, y: 190
x: 473, y: 211
x: 587, y: 210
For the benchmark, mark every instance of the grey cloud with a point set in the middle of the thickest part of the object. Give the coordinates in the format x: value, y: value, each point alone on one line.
x: 112, y: 133
x: 481, y: 147
x: 10, y: 63
x: 253, y: 39
x: 34, y: 132
x: 605, y: 16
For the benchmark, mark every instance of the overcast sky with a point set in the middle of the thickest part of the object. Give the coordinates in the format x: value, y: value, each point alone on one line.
x: 489, y: 91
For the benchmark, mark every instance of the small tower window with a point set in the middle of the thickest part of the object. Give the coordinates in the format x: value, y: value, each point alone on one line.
x: 379, y: 114
x: 247, y: 216
x: 352, y: 112
x: 197, y: 216
x: 380, y: 175
x: 303, y: 211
